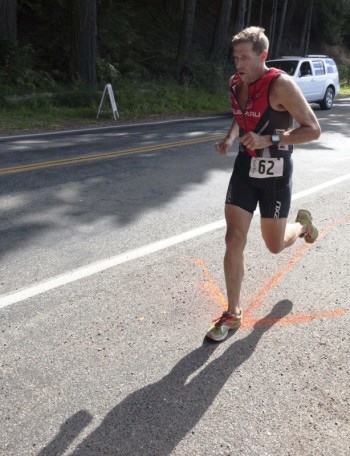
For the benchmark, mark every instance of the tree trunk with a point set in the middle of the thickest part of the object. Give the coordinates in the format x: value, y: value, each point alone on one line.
x: 220, y: 43
x: 306, y: 50
x: 173, y: 7
x: 185, y: 44
x: 261, y: 12
x: 305, y: 34
x: 280, y: 33
x: 249, y: 13
x: 292, y: 6
x: 272, y: 29
x: 85, y: 40
x: 242, y: 6
x: 8, y: 19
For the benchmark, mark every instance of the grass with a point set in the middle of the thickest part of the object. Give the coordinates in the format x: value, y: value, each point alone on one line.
x: 344, y: 89
x: 78, y: 108
x: 21, y: 119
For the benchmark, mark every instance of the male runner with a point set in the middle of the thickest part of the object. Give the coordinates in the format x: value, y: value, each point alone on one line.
x: 264, y: 102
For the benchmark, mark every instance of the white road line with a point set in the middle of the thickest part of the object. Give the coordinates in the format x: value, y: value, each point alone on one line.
x: 94, y: 268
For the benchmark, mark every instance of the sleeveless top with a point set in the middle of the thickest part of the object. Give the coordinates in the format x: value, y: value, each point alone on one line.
x: 259, y: 117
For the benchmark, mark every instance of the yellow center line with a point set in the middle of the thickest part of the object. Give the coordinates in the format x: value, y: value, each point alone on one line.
x: 88, y: 158
x: 96, y: 157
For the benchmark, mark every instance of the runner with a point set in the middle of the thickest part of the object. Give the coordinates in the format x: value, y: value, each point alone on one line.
x: 264, y: 103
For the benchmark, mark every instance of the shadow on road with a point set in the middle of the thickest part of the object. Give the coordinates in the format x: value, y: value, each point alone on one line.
x: 153, y: 420
x: 67, y: 199
x: 69, y: 430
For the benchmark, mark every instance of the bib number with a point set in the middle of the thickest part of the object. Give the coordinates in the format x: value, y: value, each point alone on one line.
x: 262, y: 168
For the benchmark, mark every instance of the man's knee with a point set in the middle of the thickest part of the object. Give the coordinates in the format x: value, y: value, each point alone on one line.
x: 235, y: 240
x: 273, y: 233
x: 274, y: 246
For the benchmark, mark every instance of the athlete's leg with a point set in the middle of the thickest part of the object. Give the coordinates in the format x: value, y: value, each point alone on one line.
x: 274, y: 208
x: 278, y: 234
x: 240, y: 193
x: 238, y: 222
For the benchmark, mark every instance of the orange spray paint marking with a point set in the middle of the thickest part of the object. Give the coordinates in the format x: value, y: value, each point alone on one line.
x: 257, y: 300
x: 211, y: 287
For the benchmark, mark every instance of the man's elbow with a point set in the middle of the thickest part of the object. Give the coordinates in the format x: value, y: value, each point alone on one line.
x: 316, y: 131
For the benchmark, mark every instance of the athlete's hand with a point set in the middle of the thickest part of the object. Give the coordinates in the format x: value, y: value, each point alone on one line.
x: 223, y: 146
x: 254, y: 141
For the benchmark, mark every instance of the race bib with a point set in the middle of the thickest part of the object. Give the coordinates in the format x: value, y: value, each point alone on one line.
x: 266, y: 167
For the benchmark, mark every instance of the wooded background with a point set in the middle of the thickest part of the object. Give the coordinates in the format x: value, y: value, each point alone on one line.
x: 48, y: 42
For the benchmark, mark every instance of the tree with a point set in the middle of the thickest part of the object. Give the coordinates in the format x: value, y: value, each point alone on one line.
x: 305, y: 34
x: 272, y: 29
x: 261, y: 12
x: 8, y: 19
x: 172, y: 7
x: 185, y: 43
x: 240, y: 20
x: 281, y: 27
x: 85, y: 40
x: 219, y: 43
x: 249, y: 13
x: 332, y: 20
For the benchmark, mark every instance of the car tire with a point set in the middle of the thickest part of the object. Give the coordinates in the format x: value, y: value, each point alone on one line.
x: 328, y: 99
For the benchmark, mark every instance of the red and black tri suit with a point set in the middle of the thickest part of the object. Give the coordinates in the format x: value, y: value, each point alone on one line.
x: 258, y: 116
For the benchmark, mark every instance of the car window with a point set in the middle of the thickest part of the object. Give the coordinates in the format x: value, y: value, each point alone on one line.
x: 318, y: 67
x: 305, y: 69
x: 331, y: 66
x: 289, y: 66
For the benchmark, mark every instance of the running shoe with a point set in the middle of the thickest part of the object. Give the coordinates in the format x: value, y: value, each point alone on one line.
x: 222, y: 325
x: 304, y: 217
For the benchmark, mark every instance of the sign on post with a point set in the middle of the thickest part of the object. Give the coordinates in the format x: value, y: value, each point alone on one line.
x: 108, y: 88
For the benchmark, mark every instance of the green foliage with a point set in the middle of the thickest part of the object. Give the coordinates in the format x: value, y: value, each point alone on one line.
x: 35, y: 80
x: 80, y: 96
x: 106, y: 72
x: 131, y: 69
x: 80, y: 105
x: 332, y: 21
x: 138, y: 40
x: 137, y: 37
x: 14, y: 57
x: 209, y: 76
x: 344, y: 76
x: 137, y: 49
x: 46, y: 26
x: 18, y: 74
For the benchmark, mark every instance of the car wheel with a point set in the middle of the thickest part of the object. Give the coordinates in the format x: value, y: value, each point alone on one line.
x: 328, y: 98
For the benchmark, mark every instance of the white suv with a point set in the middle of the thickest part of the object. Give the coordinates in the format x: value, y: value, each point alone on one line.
x: 316, y: 75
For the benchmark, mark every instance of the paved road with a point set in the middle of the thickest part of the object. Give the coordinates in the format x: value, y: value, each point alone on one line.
x: 111, y: 270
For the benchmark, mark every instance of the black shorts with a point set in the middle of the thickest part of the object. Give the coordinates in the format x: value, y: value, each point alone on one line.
x: 273, y: 193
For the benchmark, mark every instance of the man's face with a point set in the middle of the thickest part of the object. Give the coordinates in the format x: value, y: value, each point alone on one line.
x: 248, y: 63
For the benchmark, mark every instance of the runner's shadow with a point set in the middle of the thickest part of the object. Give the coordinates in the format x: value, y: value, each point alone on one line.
x: 154, y: 419
x: 68, y: 432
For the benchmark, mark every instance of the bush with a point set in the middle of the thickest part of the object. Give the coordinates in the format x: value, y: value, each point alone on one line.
x: 106, y: 72
x: 78, y: 97
x: 205, y: 75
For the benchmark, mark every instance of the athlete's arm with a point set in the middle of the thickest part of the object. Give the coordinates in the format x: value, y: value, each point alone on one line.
x: 285, y: 95
x: 223, y: 146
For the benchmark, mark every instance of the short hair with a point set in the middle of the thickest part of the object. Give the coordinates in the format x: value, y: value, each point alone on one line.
x: 254, y: 35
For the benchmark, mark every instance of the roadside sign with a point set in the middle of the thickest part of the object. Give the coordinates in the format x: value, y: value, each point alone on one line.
x: 108, y: 89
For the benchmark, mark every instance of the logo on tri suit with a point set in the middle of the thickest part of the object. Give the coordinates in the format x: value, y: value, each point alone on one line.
x: 249, y: 104
x: 276, y: 215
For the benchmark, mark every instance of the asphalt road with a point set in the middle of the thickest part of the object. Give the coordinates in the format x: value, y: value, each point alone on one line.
x: 111, y: 270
